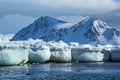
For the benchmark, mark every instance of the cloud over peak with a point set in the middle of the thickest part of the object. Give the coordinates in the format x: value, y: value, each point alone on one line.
x: 57, y: 7
x: 107, y: 10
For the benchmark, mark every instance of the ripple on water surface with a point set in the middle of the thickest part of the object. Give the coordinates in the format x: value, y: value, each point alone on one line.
x: 60, y: 71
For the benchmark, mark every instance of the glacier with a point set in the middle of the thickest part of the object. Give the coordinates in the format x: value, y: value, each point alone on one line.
x: 39, y: 51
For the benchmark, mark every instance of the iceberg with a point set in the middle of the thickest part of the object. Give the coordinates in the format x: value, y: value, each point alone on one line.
x: 38, y: 51
x: 106, y: 50
x: 39, y: 55
x: 13, y: 55
x: 61, y: 55
x: 115, y: 54
x: 106, y: 54
x: 60, y: 52
x: 86, y: 53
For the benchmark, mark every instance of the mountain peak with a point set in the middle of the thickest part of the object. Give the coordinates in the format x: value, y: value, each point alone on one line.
x: 87, y: 31
x: 88, y: 19
x: 49, y: 19
x: 94, y: 23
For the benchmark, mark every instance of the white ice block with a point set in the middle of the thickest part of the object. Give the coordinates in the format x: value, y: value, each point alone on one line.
x: 79, y: 54
x: 61, y: 54
x: 13, y: 55
x: 115, y: 56
x: 39, y: 55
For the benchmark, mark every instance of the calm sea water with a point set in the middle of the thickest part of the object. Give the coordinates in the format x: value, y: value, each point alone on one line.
x: 62, y: 71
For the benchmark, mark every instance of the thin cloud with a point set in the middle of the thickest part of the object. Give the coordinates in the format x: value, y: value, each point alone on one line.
x: 56, y: 7
x: 107, y: 10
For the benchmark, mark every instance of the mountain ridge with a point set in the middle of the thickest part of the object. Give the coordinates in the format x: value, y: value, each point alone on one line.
x: 86, y: 31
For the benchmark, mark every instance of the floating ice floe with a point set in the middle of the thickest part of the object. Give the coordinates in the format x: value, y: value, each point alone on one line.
x: 60, y: 52
x: 13, y: 55
x: 106, y: 50
x: 111, y: 52
x: 86, y: 53
x: 39, y: 55
x: 38, y: 51
x: 115, y: 53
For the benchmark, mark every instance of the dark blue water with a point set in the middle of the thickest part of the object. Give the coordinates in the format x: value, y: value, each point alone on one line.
x: 62, y: 71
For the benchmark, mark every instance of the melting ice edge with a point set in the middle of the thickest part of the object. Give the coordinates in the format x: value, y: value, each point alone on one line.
x: 38, y: 51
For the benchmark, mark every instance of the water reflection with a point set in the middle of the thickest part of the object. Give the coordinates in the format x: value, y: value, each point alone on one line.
x: 8, y: 72
x: 61, y: 71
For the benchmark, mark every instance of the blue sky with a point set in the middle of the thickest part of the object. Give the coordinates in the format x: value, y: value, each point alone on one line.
x: 117, y: 0
x: 107, y: 10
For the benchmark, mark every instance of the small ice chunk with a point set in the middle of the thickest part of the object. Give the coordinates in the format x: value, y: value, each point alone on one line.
x: 74, y: 45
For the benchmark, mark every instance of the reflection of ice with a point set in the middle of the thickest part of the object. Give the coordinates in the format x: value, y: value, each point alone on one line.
x: 37, y: 71
x: 59, y: 71
x: 39, y: 67
x: 104, y: 71
x: 13, y: 71
x: 65, y: 67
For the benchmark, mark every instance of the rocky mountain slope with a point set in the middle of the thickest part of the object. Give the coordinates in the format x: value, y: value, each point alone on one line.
x: 90, y: 30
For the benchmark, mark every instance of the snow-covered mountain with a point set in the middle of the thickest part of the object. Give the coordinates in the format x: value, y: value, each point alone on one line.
x: 13, y: 23
x: 5, y: 38
x: 38, y: 29
x: 90, y: 30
